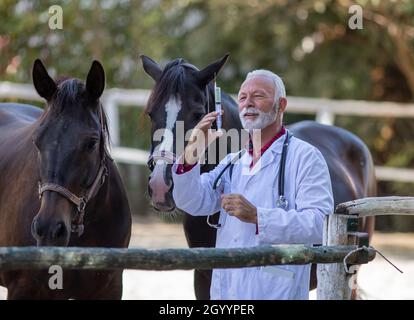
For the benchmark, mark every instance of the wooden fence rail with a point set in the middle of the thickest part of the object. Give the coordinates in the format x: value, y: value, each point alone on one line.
x: 19, y: 258
x: 377, y: 206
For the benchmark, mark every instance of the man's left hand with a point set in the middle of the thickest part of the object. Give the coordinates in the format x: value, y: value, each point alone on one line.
x: 238, y: 206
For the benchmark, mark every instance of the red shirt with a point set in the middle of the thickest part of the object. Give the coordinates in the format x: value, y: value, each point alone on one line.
x: 267, y: 145
x: 183, y: 168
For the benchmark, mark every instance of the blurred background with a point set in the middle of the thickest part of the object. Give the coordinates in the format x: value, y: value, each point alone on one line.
x: 308, y: 43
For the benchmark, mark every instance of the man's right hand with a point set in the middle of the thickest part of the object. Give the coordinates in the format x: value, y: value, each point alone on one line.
x: 201, y: 137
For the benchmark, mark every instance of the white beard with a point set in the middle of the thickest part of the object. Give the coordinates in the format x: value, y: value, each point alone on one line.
x: 262, y: 121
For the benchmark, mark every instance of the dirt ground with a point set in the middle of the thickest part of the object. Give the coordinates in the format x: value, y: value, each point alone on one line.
x: 377, y: 280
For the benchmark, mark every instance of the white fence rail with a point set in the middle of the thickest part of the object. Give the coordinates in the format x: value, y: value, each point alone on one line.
x: 325, y: 111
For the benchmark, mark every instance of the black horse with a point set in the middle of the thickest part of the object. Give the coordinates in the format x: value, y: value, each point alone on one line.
x: 183, y: 93
x: 59, y: 186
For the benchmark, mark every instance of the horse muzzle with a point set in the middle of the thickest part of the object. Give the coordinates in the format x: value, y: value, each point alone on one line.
x: 50, y: 234
x: 52, y: 224
x: 160, y: 186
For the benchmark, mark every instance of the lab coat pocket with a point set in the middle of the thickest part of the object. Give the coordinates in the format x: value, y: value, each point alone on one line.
x: 278, y: 271
x: 277, y: 282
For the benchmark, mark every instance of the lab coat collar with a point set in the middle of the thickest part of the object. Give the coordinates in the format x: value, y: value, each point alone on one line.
x: 266, y: 159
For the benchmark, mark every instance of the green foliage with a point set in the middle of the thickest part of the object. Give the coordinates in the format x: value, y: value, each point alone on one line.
x: 308, y: 43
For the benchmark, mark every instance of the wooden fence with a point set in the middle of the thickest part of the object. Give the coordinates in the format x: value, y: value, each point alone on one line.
x: 341, y: 230
x: 23, y: 258
x: 343, y: 246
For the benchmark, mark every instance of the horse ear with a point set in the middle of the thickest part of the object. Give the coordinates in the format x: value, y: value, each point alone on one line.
x: 207, y: 74
x: 43, y: 83
x: 95, y: 81
x: 151, y: 67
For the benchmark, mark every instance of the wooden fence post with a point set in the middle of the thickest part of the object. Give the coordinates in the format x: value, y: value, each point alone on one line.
x: 333, y: 281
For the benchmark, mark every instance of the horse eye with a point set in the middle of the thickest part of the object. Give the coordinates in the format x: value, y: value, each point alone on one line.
x: 90, y: 145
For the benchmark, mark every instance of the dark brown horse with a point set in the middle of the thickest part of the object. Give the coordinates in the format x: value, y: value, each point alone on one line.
x: 59, y: 186
x: 182, y: 93
x: 350, y: 165
x: 196, y: 95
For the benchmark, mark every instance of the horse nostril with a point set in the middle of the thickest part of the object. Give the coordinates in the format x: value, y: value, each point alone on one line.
x: 59, y: 230
x: 37, y: 230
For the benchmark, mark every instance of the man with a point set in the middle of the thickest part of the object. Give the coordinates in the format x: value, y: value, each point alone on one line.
x: 247, y: 198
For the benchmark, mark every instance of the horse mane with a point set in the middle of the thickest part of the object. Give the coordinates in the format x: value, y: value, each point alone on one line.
x: 69, y: 91
x: 171, y: 83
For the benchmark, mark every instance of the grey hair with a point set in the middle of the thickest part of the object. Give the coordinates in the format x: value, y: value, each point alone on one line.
x: 280, y: 91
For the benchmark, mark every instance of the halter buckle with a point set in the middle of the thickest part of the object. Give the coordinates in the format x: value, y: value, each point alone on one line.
x: 82, y: 205
x: 167, y: 156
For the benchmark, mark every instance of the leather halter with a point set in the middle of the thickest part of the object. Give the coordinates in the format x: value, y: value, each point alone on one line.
x: 165, y: 155
x: 168, y: 156
x: 81, y: 202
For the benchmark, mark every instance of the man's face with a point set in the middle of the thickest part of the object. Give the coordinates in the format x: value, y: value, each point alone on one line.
x: 256, y: 103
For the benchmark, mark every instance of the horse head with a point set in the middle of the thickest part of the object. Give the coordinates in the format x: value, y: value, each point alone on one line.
x: 70, y: 140
x: 179, y: 100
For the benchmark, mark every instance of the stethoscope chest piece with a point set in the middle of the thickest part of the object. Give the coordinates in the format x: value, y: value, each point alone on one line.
x: 282, y: 203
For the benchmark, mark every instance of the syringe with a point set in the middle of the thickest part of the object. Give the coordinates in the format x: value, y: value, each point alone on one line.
x: 217, y: 99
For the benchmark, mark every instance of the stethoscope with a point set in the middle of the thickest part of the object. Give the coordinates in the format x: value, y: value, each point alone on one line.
x: 281, y: 202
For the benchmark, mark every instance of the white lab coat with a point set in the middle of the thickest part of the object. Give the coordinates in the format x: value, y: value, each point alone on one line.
x: 309, y: 194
